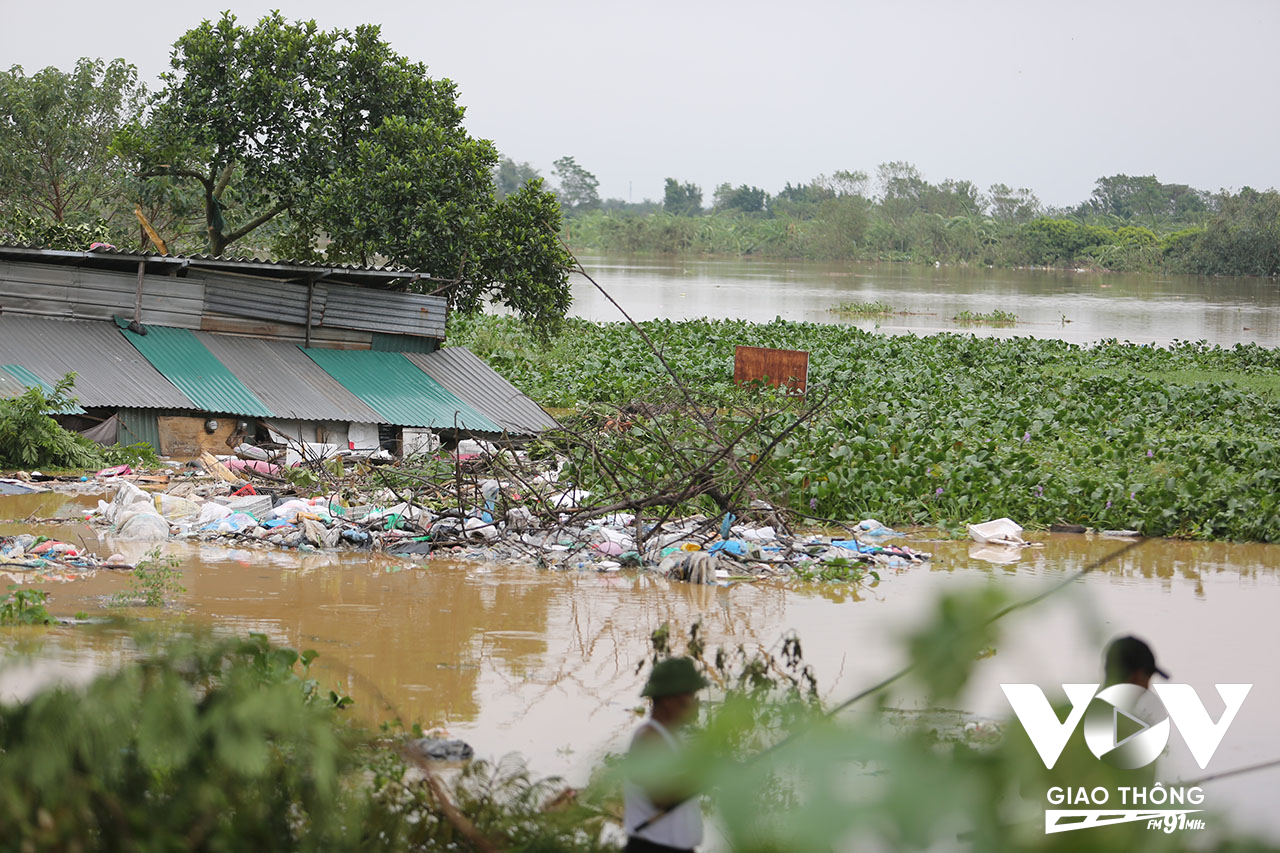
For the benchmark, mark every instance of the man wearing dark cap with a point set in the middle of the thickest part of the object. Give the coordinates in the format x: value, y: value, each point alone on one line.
x: 664, y: 815
x: 1131, y: 661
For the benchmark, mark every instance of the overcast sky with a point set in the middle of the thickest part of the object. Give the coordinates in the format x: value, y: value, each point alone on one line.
x: 1030, y: 93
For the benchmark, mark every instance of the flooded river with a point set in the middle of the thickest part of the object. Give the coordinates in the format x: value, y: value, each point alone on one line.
x: 515, y: 659
x: 1075, y: 306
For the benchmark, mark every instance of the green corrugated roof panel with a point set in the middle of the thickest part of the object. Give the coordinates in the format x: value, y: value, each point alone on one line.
x: 397, y: 389
x: 30, y: 380
x: 188, y: 364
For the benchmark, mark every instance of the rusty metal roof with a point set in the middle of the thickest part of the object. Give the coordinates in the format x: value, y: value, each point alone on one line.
x: 465, y: 375
x: 290, y: 384
x: 109, y: 372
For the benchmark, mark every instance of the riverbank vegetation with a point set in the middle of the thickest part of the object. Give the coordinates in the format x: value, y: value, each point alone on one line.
x: 1129, y: 223
x: 949, y: 429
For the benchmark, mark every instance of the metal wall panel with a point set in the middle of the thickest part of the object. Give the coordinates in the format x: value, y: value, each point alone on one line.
x: 279, y: 301
x: 467, y: 377
x: 321, y: 336
x: 383, y: 342
x: 139, y: 425
x: 109, y: 372
x: 286, y: 381
x: 85, y: 294
x: 779, y: 367
x: 385, y: 311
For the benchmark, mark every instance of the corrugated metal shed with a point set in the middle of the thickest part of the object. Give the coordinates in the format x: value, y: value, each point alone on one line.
x: 54, y: 290
x: 286, y: 381
x: 382, y: 342
x: 264, y: 299
x: 398, y: 390
x: 387, y: 311
x: 139, y: 425
x: 128, y: 259
x: 188, y: 364
x: 462, y: 373
x: 109, y: 372
x: 30, y: 380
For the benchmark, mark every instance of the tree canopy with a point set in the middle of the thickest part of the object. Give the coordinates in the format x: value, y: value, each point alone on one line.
x: 56, y: 159
x: 742, y: 198
x: 579, y: 189
x: 509, y: 176
x: 682, y: 199
x: 329, y: 144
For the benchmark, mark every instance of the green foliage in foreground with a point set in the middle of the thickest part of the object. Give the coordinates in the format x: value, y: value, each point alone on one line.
x: 231, y: 745
x: 24, y: 607
x: 30, y: 438
x: 953, y: 428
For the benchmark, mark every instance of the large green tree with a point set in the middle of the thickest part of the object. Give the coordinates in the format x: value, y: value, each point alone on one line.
x: 331, y: 139
x: 1146, y: 197
x: 682, y: 199
x: 742, y: 198
x: 56, y: 161
x: 579, y: 189
x: 509, y: 176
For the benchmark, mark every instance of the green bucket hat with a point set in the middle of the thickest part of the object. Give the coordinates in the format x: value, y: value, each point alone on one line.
x: 672, y: 677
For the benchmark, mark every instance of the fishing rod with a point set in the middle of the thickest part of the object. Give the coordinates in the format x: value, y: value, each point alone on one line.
x: 906, y: 670
x: 1225, y: 774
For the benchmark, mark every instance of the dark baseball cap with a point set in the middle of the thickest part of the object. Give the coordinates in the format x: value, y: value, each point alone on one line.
x: 672, y: 677
x: 1127, y: 654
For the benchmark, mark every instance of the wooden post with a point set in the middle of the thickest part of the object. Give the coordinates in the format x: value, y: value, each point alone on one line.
x: 137, y: 299
x: 311, y: 298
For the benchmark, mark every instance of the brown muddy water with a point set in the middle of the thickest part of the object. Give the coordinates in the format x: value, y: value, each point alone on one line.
x: 511, y: 658
x: 1081, y: 307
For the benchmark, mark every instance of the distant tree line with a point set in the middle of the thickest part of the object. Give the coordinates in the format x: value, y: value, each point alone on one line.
x: 1128, y: 223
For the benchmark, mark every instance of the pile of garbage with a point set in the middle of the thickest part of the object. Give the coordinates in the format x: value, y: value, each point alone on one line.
x: 549, y: 530
x: 37, y: 559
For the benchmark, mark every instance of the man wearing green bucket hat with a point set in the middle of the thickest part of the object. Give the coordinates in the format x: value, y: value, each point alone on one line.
x: 661, y: 818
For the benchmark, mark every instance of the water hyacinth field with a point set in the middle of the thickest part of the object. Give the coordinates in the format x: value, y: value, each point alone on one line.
x: 951, y: 428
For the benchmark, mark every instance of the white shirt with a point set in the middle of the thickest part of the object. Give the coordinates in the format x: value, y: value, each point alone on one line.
x: 681, y: 827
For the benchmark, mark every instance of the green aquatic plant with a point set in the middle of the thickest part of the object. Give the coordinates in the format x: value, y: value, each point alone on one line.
x: 24, y: 607
x: 993, y: 318
x: 156, y: 581
x: 839, y: 570
x: 863, y: 309
x: 1181, y: 440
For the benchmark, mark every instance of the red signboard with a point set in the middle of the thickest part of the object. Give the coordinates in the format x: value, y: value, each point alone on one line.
x: 785, y: 367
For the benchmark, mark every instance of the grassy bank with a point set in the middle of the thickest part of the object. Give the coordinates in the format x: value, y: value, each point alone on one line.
x: 1181, y: 441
